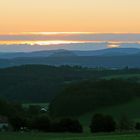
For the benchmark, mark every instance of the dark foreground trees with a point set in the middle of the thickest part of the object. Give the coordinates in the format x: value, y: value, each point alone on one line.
x: 106, y: 123
x: 102, y: 123
x: 17, y: 122
x: 125, y: 123
x: 33, y: 119
x: 41, y: 123
x: 67, y: 125
x: 44, y: 124
x: 137, y: 126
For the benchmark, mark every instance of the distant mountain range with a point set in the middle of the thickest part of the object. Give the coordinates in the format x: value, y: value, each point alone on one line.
x: 112, y: 58
x: 61, y: 52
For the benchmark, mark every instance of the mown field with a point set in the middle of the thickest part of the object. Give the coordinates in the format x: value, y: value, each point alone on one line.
x: 43, y: 136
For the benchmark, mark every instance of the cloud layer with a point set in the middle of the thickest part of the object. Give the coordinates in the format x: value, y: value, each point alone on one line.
x: 72, y: 37
x: 72, y: 41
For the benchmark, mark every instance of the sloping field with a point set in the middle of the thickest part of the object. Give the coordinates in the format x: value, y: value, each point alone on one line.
x: 131, y: 109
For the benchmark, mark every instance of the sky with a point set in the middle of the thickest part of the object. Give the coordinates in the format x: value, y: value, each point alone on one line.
x: 69, y: 22
x: 70, y: 16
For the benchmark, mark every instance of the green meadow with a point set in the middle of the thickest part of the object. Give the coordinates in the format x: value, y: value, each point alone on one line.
x: 123, y: 76
x: 43, y: 136
x: 44, y: 105
x: 130, y: 108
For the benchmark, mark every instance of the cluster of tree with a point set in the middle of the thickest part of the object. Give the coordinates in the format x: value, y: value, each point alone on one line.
x: 89, y: 95
x: 102, y: 123
x: 39, y: 83
x: 99, y: 123
x: 10, y: 109
x: 34, y: 118
x: 67, y: 125
x: 43, y: 123
x: 106, y: 123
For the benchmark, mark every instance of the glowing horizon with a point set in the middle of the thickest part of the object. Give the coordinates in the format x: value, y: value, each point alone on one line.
x: 43, y: 43
x: 63, y: 33
x: 60, y: 38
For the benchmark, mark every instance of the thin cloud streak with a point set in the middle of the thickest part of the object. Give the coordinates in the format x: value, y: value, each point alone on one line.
x: 71, y: 37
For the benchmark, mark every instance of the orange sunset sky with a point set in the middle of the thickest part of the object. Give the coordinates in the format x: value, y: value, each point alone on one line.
x: 70, y: 16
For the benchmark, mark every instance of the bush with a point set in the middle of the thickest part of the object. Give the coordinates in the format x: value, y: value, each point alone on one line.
x: 137, y: 126
x: 67, y: 125
x: 102, y: 123
x: 125, y: 124
x: 41, y: 123
x: 17, y: 122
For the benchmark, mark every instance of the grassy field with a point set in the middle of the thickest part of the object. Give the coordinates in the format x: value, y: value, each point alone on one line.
x: 44, y: 105
x: 131, y: 109
x: 43, y: 136
x: 125, y: 76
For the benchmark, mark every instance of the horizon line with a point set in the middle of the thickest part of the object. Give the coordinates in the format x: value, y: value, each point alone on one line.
x: 57, y: 33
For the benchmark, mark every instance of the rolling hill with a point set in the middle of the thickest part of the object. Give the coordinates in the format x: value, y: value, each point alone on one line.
x: 41, y: 83
x: 62, y: 52
x: 91, y: 95
x: 115, y: 62
x: 37, y: 83
x: 130, y: 108
x: 109, y: 58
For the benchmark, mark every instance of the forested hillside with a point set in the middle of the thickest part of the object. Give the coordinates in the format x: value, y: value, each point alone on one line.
x: 90, y: 95
x: 41, y: 83
x: 37, y: 83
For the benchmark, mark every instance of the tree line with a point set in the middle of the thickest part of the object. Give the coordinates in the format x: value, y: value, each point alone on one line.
x: 33, y: 118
